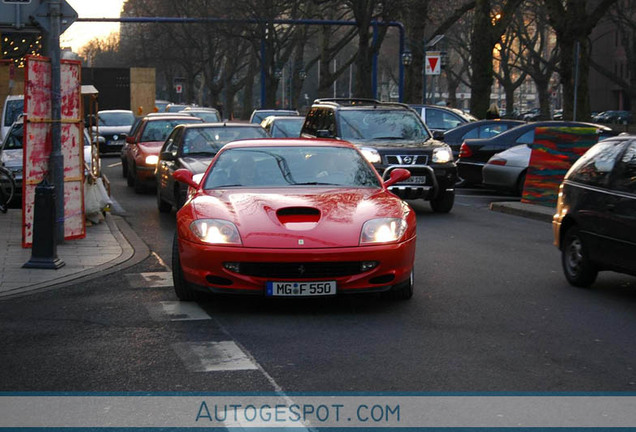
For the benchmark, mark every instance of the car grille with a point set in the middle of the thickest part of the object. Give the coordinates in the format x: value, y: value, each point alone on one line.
x: 306, y: 270
x: 406, y: 159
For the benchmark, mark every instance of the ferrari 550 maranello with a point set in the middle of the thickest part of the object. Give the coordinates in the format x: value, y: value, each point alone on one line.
x: 293, y: 217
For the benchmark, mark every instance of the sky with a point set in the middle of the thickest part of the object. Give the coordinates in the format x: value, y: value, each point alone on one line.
x: 78, y: 34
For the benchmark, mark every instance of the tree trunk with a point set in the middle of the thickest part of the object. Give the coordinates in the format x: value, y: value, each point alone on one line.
x: 481, y: 60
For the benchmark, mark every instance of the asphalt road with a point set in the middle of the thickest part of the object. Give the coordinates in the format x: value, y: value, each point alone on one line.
x: 491, y: 312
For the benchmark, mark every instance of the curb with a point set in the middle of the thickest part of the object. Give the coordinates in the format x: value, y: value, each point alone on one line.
x: 530, y: 211
x: 134, y: 250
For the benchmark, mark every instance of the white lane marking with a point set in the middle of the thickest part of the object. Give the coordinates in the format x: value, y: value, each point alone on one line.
x: 114, y: 165
x: 213, y: 356
x: 183, y: 311
x: 150, y: 280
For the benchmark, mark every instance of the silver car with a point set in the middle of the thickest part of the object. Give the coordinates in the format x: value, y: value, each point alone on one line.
x: 507, y: 170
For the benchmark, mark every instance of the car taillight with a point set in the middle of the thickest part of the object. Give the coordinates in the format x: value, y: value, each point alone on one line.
x: 497, y: 162
x: 465, y: 151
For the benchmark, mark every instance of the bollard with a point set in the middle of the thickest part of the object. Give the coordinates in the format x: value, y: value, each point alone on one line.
x: 44, y: 247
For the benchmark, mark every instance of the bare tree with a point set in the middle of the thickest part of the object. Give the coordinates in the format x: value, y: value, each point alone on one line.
x: 573, y: 21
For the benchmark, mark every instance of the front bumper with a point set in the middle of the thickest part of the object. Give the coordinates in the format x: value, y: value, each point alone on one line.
x: 438, y: 179
x: 203, y: 266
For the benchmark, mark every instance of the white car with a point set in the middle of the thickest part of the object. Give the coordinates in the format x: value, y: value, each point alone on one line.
x: 12, y: 109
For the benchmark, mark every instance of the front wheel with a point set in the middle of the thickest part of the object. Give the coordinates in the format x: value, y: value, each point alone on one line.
x: 443, y: 202
x: 163, y: 206
x: 577, y: 267
x: 182, y: 288
x: 403, y: 291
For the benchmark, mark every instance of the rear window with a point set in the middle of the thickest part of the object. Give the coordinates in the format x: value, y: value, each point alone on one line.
x: 160, y: 129
x: 595, y: 166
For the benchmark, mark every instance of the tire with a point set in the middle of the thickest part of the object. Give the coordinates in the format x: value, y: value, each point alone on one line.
x: 521, y: 181
x: 163, y: 206
x: 138, y: 186
x: 577, y: 267
x: 7, y: 189
x: 124, y: 168
x: 443, y: 202
x: 130, y: 178
x: 404, y: 291
x: 182, y: 288
x: 180, y: 196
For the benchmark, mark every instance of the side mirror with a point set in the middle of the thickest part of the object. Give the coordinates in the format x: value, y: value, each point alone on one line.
x: 397, y: 175
x: 438, y: 135
x: 167, y: 156
x: 185, y: 176
x: 323, y: 133
x: 130, y: 140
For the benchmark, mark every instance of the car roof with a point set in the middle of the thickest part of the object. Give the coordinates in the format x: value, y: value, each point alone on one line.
x: 221, y: 124
x: 358, y: 103
x: 114, y: 111
x: 288, y: 142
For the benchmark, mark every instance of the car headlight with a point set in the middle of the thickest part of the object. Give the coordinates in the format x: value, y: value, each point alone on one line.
x: 442, y: 154
x: 152, y: 160
x: 216, y: 231
x: 382, y: 230
x: 371, y: 155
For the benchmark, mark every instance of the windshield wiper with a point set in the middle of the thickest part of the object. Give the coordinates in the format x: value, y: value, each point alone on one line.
x: 201, y: 153
x: 317, y: 183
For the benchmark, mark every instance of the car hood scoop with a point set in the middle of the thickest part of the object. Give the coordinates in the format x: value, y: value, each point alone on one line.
x: 298, y: 218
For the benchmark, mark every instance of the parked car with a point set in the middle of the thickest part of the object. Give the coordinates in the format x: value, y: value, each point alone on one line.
x: 12, y: 109
x: 192, y: 147
x: 12, y: 154
x: 283, y: 126
x: 441, y: 119
x: 293, y: 218
x: 259, y: 115
x: 614, y: 117
x: 113, y: 126
x: 209, y: 115
x: 594, y: 225
x: 478, y: 129
x: 474, y: 153
x: 140, y: 154
x: 507, y: 170
x: 391, y: 136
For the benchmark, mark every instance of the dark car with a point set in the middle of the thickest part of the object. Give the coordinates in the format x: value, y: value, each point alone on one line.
x: 479, y: 129
x: 140, y: 154
x: 192, y: 147
x: 112, y: 127
x: 440, y: 119
x: 474, y: 153
x: 390, y: 135
x: 595, y: 223
x: 260, y: 114
x: 614, y: 117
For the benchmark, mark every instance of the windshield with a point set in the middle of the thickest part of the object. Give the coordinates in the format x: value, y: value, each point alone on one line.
x: 116, y: 118
x: 291, y: 166
x: 13, y: 140
x: 370, y: 125
x: 160, y: 129
x: 210, y: 140
x: 14, y: 108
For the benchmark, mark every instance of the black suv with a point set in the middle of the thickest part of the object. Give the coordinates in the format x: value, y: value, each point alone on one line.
x: 390, y: 135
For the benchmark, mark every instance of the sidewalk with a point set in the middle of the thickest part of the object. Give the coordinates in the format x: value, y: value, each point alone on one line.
x: 108, y: 247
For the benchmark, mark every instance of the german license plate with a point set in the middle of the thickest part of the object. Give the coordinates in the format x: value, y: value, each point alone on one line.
x: 415, y: 180
x: 301, y: 289
x: 117, y: 142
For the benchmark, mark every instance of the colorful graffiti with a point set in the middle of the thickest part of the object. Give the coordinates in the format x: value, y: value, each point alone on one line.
x: 554, y: 151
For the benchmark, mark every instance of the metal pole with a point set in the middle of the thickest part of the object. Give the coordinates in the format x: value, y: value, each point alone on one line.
x: 56, y: 160
x: 577, y: 52
x: 424, y: 78
x: 401, y: 67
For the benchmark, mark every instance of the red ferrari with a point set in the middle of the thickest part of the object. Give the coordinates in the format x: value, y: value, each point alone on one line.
x: 293, y: 218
